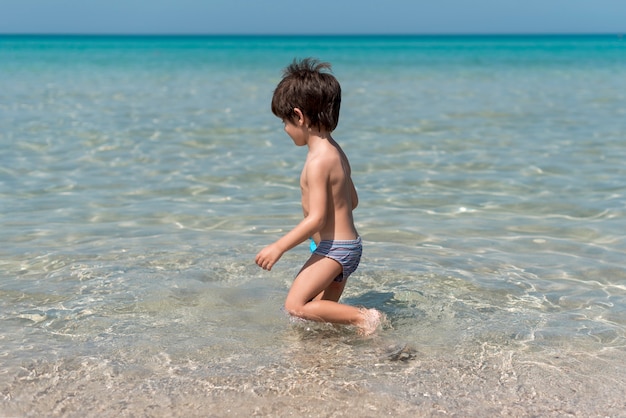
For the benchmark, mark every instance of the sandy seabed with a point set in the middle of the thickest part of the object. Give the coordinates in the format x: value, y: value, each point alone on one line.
x: 326, y: 378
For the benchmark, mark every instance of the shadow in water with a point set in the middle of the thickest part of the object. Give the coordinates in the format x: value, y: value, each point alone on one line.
x: 386, y: 302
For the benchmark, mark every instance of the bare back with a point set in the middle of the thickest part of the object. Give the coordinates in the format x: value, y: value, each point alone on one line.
x: 341, y: 197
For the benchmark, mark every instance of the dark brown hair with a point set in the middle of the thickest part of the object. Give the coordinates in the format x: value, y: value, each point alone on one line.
x: 308, y: 87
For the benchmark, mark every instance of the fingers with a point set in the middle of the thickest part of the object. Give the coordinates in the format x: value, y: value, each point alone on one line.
x: 267, y: 257
x: 266, y: 266
x: 263, y: 263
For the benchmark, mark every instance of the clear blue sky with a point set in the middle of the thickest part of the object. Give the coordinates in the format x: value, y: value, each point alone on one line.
x: 312, y: 17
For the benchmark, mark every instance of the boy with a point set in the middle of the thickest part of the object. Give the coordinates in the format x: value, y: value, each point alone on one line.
x: 307, y: 100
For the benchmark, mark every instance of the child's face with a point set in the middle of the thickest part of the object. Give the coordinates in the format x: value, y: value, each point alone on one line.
x: 296, y: 132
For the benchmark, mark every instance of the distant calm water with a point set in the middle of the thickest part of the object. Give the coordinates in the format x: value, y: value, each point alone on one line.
x: 139, y: 176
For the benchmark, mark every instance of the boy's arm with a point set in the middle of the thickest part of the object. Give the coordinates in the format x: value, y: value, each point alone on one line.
x: 317, y: 185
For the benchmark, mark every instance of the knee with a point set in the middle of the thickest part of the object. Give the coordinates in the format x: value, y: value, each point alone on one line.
x: 294, y: 308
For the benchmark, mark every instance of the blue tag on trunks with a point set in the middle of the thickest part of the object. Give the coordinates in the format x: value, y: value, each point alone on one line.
x: 347, y: 253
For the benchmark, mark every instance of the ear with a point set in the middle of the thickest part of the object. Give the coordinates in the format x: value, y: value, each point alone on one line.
x: 301, y: 119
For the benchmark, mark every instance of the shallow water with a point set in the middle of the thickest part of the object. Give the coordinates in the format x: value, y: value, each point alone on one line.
x: 139, y: 177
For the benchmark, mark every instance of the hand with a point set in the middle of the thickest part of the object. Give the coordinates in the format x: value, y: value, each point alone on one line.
x: 268, y: 256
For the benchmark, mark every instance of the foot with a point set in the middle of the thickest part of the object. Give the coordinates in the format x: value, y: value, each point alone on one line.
x: 371, y: 321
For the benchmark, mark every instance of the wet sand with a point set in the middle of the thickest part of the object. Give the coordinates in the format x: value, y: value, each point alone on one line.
x: 326, y: 372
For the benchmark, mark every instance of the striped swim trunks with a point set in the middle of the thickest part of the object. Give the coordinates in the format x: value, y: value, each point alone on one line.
x: 347, y: 253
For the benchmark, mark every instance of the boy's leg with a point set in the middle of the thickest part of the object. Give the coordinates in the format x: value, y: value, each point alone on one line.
x: 333, y: 291
x: 312, y: 297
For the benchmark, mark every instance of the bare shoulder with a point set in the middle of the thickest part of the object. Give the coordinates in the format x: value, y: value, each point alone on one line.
x: 320, y: 165
x: 325, y: 158
x: 329, y: 164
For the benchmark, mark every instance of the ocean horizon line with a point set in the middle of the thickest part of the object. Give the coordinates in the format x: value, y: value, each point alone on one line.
x: 619, y: 35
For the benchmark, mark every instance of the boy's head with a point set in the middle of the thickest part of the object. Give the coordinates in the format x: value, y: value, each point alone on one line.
x: 306, y: 86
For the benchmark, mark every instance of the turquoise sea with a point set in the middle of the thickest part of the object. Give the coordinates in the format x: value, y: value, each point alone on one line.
x: 139, y: 176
